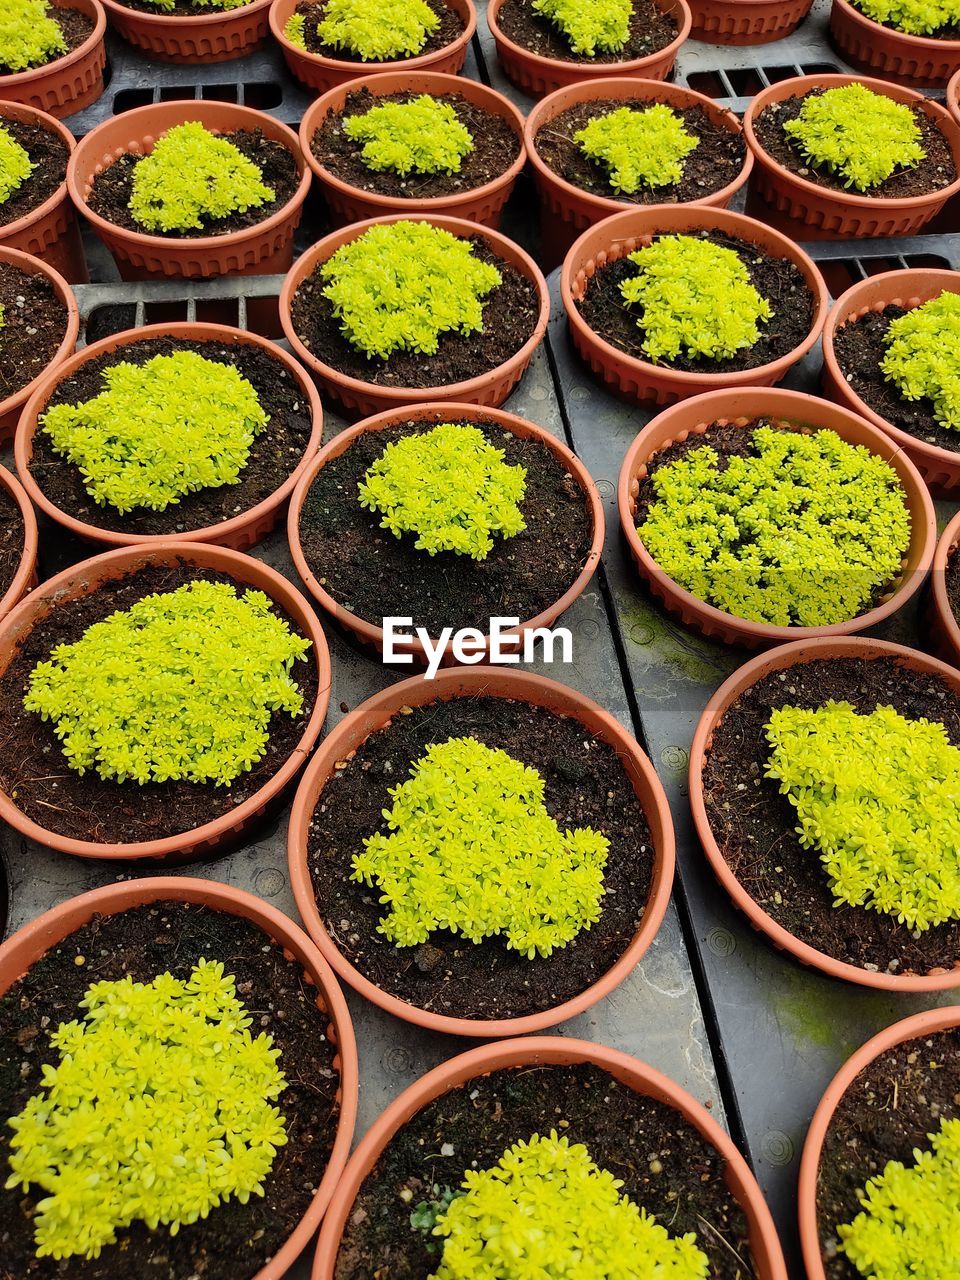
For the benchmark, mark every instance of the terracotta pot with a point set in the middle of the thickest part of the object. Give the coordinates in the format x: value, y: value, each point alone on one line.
x: 889, y: 54
x: 10, y: 408
x: 239, y: 532
x: 263, y: 249
x: 624, y: 233
x: 841, y: 214
x: 944, y: 627
x: 526, y: 686
x: 556, y: 1051
x: 792, y: 409
x: 745, y: 22
x: 536, y: 75
x: 322, y: 74
x: 953, y: 96
x: 918, y: 1027
x: 70, y: 83
x: 83, y: 579
x: 352, y: 204
x: 26, y: 574
x: 216, y: 36
x: 20, y: 952
x: 359, y: 398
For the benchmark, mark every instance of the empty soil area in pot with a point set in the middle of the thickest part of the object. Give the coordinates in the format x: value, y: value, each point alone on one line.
x: 48, y: 154
x: 778, y: 280
x: 274, y: 454
x: 665, y: 1164
x: 236, y: 1240
x: 755, y: 826
x: 650, y: 31
x: 34, y: 326
x: 586, y: 786
x: 11, y: 541
x: 716, y: 161
x: 449, y: 28
x: 33, y: 768
x: 75, y: 26
x: 887, y: 1114
x: 953, y: 583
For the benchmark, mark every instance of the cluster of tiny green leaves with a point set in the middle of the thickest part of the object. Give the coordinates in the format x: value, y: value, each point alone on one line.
x: 400, y: 285
x: 915, y: 17
x: 159, y: 1110
x: 156, y: 431
x: 638, y: 148
x: 29, y: 37
x: 3, y: 315
x: 472, y: 848
x: 180, y: 686
x: 169, y: 5
x: 374, y: 30
x: 859, y: 135
x: 545, y: 1209
x: 878, y: 796
x: 423, y: 135
x: 190, y: 175
x: 15, y: 165
x: 450, y: 487
x: 589, y: 26
x: 696, y: 297
x: 922, y: 357
x: 800, y: 534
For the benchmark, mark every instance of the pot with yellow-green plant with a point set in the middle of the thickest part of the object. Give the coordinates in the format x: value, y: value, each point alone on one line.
x: 52, y: 55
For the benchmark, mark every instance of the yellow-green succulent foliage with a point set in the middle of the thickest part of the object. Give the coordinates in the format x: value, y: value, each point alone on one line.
x: 375, y: 30
x: 450, y: 487
x: 915, y: 17
x: 878, y: 797
x: 638, y: 147
x: 860, y: 136
x: 159, y: 1110
x: 29, y: 36
x: 180, y: 686
x: 168, y: 5
x: 400, y: 285
x: 472, y: 848
x: 192, y: 176
x: 589, y: 26
x: 15, y: 165
x: 922, y: 357
x: 546, y: 1210
x: 424, y: 135
x: 802, y: 533
x: 159, y: 430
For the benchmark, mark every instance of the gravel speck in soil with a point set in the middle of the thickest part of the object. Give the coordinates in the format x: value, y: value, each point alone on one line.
x: 35, y: 323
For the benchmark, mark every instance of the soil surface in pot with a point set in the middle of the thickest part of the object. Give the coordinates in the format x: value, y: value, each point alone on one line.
x: 953, y: 583
x: 650, y: 31
x: 376, y: 575
x: 755, y: 826
x: 665, y: 1164
x: 586, y: 786
x: 887, y: 1113
x: 89, y: 807
x: 35, y: 324
x: 509, y: 318
x: 49, y: 156
x: 495, y: 147
x: 182, y: 9
x: 450, y: 27
x: 935, y: 171
x: 11, y: 540
x: 236, y: 1240
x: 110, y: 194
x: 778, y: 280
x: 275, y: 453
x: 76, y: 28
x: 716, y: 161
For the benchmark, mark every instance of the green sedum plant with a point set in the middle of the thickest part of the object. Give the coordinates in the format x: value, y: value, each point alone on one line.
x: 400, y: 285
x: 638, y: 147
x: 472, y: 848
x: 180, y: 686
x: 878, y: 797
x: 159, y: 1110
x: 29, y: 36
x: 922, y: 357
x: 191, y: 176
x: 168, y: 5
x: 423, y: 135
x: 377, y: 30
x: 589, y: 26
x: 450, y: 487
x: 15, y: 165
x: 859, y: 135
x: 801, y: 533
x: 159, y: 430
x: 915, y: 17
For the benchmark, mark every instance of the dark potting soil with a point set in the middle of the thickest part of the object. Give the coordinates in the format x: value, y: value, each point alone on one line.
x: 953, y: 583
x: 49, y: 156
x: 887, y: 1114
x: 275, y: 452
x: 586, y: 786
x: 776, y: 279
x: 495, y: 147
x: 664, y: 1163
x: 715, y: 162
x: 34, y: 772
x: 755, y: 826
x: 936, y: 170
x: 181, y: 9
x: 236, y: 1240
x: 650, y: 31
x: 112, y: 188
x: 509, y: 318
x: 76, y: 28
x: 11, y: 541
x: 449, y: 29
x: 35, y: 322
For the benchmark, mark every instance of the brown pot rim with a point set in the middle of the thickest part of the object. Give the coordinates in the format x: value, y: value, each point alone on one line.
x: 25, y: 113
x: 65, y: 295
x: 953, y: 95
x: 949, y: 625
x: 28, y: 557
x: 216, y: 17
x: 919, y: 43
x: 22, y: 79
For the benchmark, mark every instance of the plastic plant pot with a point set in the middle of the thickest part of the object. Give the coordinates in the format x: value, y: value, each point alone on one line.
x: 840, y: 214
x: 352, y: 204
x: 746, y: 22
x: 457, y: 1072
x: 70, y: 83
x: 215, y: 36
x: 890, y: 54
x: 29, y: 944
x: 321, y: 73
x: 263, y: 249
x: 623, y: 234
x: 944, y: 625
x: 84, y: 578
x: 360, y: 399
x: 490, y: 682
x: 26, y: 574
x: 239, y: 532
